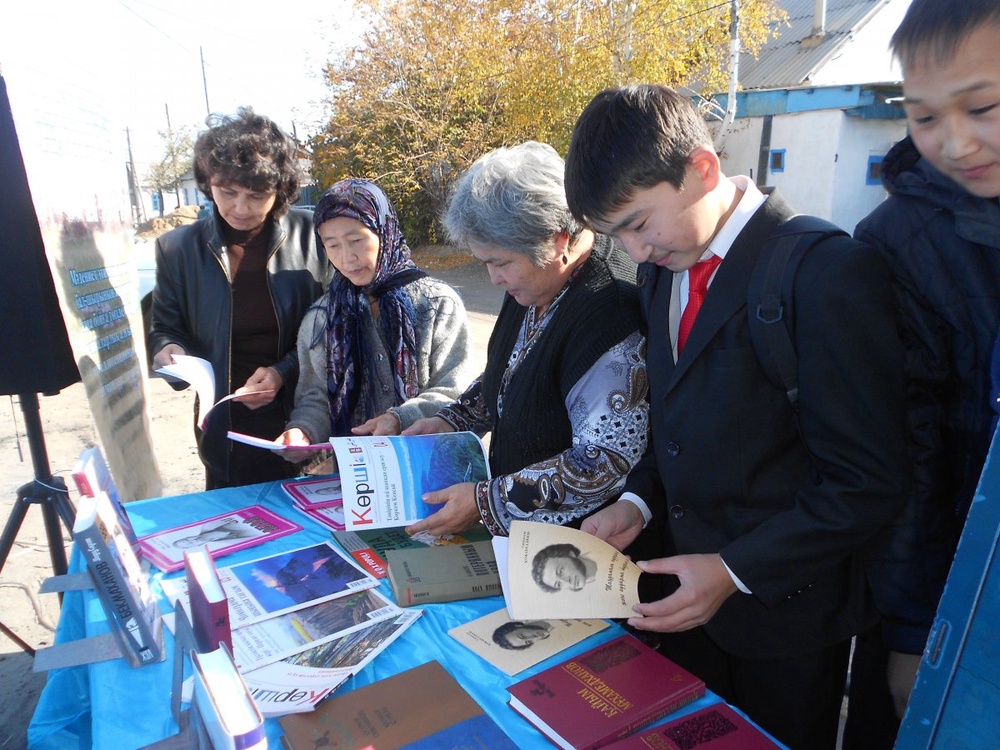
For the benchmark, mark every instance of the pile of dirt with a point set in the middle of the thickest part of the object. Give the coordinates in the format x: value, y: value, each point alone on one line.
x: 158, y: 225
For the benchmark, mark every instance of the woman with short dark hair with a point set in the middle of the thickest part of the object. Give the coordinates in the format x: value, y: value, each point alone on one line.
x: 233, y: 288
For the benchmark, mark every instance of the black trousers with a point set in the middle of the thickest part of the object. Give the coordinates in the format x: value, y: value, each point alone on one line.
x: 797, y: 699
x: 872, y: 723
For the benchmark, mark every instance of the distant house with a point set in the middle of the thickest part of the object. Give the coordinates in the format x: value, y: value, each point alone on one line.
x: 818, y: 108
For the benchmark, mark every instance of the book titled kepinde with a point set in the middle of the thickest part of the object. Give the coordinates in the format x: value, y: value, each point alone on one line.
x: 119, y: 580
x: 604, y: 694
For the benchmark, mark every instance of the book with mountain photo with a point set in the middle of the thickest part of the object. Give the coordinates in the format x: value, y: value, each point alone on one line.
x: 384, y: 478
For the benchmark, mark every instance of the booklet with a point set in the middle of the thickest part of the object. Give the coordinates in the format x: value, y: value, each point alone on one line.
x: 514, y: 645
x: 318, y: 492
x: 278, y: 637
x: 270, y: 445
x: 224, y: 533
x: 299, y: 682
x: 199, y: 374
x: 281, y: 583
x: 556, y: 571
x: 384, y: 478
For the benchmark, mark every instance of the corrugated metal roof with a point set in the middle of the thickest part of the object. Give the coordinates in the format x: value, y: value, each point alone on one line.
x: 790, y: 59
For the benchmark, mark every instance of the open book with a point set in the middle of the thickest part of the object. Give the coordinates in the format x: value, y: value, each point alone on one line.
x: 550, y: 571
x: 198, y: 373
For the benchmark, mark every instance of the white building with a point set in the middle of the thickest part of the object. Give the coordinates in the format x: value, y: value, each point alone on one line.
x: 818, y: 107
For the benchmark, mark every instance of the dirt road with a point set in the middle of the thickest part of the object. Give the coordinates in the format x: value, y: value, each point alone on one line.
x: 68, y: 430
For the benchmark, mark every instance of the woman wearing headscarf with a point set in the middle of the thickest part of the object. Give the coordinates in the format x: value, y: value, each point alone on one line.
x: 387, y: 344
x: 563, y: 395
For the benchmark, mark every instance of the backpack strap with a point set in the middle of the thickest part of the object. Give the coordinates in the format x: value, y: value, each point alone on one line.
x: 769, y: 298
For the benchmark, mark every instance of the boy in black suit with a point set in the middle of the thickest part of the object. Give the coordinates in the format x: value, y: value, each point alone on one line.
x: 764, y: 507
x: 939, y: 230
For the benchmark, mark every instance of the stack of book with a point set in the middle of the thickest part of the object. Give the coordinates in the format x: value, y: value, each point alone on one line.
x: 320, y: 498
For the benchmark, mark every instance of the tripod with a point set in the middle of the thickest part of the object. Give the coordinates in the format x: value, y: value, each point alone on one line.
x: 46, y: 490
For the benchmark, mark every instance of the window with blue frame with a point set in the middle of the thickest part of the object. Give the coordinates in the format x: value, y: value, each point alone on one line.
x: 872, y: 176
x: 777, y: 161
x: 157, y: 206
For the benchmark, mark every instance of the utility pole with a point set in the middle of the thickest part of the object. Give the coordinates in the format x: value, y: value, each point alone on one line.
x: 173, y: 157
x: 204, y: 81
x: 138, y: 210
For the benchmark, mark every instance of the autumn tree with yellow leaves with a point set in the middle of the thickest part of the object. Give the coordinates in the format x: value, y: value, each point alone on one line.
x: 433, y: 84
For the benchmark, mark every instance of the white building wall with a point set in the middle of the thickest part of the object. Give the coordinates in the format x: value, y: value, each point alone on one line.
x: 853, y: 198
x: 826, y: 160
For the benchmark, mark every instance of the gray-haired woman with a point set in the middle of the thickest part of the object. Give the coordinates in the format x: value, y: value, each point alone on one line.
x: 563, y: 395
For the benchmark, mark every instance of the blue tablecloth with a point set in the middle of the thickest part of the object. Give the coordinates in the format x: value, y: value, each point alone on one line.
x: 111, y: 705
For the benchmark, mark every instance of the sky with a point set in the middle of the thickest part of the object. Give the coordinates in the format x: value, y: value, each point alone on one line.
x: 80, y: 73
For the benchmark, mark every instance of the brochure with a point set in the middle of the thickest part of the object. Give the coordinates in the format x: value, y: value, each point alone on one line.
x: 384, y: 478
x: 565, y: 573
x: 514, y: 645
x: 320, y: 492
x: 280, y: 583
x: 199, y: 374
x: 224, y: 533
x: 278, y: 637
x: 299, y: 682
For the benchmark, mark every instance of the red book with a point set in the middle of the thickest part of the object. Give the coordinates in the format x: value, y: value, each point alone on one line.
x: 208, y: 601
x: 604, y: 694
x: 717, y: 727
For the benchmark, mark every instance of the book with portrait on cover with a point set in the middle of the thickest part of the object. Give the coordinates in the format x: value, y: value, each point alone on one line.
x: 604, y: 694
x: 222, y: 534
x: 423, y: 707
x: 119, y: 580
x: 514, y: 645
x: 717, y: 727
x: 555, y: 571
x: 443, y: 574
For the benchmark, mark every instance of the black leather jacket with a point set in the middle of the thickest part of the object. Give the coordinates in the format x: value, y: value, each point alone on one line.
x: 192, y: 306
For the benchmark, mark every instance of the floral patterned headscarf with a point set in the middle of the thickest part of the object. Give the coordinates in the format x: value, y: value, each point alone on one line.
x: 349, y: 353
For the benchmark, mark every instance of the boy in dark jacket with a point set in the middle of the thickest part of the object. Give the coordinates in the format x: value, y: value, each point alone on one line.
x: 940, y: 232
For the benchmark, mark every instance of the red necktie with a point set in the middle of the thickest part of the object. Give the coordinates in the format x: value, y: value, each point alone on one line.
x: 698, y: 276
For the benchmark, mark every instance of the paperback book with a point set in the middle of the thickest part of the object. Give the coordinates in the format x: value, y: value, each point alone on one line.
x: 198, y: 373
x: 223, y: 709
x: 717, y: 727
x: 368, y: 547
x: 222, y: 534
x: 423, y: 707
x: 298, y: 683
x: 278, y: 637
x: 443, y: 574
x: 91, y: 475
x: 604, y: 694
x: 555, y: 571
x: 119, y: 580
x: 514, y: 645
x: 319, y: 492
x: 331, y: 516
x: 385, y: 478
x: 208, y: 602
x: 280, y: 583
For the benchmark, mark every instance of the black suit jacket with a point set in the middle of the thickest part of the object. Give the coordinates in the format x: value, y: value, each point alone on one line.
x: 787, y: 501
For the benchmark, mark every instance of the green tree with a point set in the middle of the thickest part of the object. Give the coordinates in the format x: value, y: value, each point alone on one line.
x: 178, y: 158
x: 433, y: 84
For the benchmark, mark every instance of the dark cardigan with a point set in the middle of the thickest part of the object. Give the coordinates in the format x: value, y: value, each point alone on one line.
x: 600, y: 309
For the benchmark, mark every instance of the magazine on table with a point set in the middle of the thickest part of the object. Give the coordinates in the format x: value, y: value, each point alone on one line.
x: 315, y: 492
x: 282, y: 582
x: 299, y: 682
x: 384, y: 478
x: 285, y: 635
x: 222, y: 534
x: 550, y: 571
